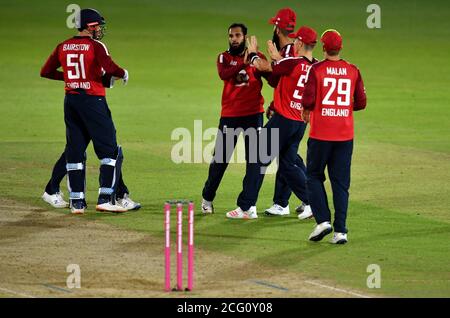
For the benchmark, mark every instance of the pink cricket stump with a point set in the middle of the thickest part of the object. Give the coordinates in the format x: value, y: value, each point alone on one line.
x: 191, y: 246
x: 179, y: 246
x: 167, y: 247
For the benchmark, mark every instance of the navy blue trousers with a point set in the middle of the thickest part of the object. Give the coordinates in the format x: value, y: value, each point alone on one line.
x: 290, y: 132
x: 336, y: 156
x: 282, y: 191
x: 225, y: 143
x: 87, y: 118
x: 59, y: 172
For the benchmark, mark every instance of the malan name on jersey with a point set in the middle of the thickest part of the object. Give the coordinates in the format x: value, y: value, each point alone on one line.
x: 336, y: 71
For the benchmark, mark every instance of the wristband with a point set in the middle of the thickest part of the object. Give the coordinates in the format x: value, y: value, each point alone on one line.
x: 252, y: 57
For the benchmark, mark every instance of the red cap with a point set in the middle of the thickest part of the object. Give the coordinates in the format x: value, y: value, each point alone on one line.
x: 285, y: 19
x: 332, y: 40
x: 305, y: 34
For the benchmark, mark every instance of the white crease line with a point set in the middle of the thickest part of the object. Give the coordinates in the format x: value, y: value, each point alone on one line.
x: 15, y: 293
x: 336, y: 289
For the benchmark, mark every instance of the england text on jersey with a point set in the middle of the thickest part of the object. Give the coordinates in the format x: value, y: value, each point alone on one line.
x: 335, y: 112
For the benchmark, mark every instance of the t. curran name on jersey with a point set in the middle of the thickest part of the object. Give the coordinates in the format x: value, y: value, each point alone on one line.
x: 75, y: 47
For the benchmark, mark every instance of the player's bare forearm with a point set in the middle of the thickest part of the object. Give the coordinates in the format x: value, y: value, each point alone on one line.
x: 262, y: 65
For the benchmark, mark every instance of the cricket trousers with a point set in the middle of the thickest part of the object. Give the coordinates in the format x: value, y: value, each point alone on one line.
x: 59, y: 172
x: 336, y: 156
x: 282, y: 191
x: 285, y: 147
x: 229, y: 130
x: 87, y: 118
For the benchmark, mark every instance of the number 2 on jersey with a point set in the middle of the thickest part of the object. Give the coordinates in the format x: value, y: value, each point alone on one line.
x: 76, y: 61
x: 343, y: 89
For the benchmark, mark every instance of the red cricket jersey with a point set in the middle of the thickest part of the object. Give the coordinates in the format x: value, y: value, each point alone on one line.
x: 287, y: 97
x: 84, y: 61
x: 334, y: 89
x: 241, y: 94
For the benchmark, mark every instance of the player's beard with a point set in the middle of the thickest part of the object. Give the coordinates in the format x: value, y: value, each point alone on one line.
x: 237, y: 50
x: 276, y: 39
x: 98, y: 35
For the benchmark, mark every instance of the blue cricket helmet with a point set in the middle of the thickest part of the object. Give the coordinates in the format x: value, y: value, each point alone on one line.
x: 90, y: 17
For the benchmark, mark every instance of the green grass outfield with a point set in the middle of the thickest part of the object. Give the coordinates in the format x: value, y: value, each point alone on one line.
x: 399, y: 215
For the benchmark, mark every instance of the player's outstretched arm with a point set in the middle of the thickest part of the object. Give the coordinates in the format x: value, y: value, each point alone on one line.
x: 261, y: 64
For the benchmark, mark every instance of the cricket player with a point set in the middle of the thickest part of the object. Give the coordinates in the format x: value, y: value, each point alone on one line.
x: 242, y: 111
x: 84, y: 60
x: 52, y: 194
x: 284, y: 25
x: 334, y: 89
x: 287, y: 120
